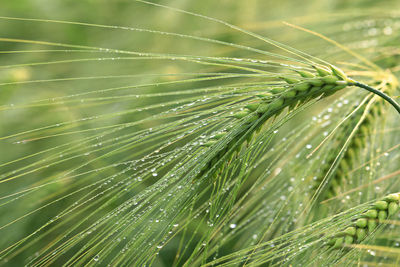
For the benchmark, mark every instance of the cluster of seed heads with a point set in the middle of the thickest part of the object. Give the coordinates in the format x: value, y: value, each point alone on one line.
x: 307, y: 86
x: 325, y: 82
x: 356, y: 144
x: 368, y: 222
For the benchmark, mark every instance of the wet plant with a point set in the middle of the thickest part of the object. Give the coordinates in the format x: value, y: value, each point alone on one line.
x: 219, y: 142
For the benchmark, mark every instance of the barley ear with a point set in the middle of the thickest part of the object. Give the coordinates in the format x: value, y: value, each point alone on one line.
x: 369, y: 221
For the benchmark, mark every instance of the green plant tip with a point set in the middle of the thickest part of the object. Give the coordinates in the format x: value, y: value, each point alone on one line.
x: 382, y: 215
x: 252, y: 118
x: 338, y: 72
x: 302, y: 86
x: 278, y: 90
x: 253, y: 107
x: 361, y: 223
x: 348, y: 240
x: 305, y: 74
x: 289, y: 94
x: 371, y: 225
x: 330, y: 79
x: 392, y: 197
x: 290, y: 80
x: 278, y: 103
x: 382, y: 205
x: 328, y: 87
x: 322, y: 71
x: 372, y: 214
x: 393, y: 207
x: 240, y: 115
x: 361, y: 234
x: 315, y: 81
x: 263, y: 108
x: 338, y: 243
x: 350, y: 231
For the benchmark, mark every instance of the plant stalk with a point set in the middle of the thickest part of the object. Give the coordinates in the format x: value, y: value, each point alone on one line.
x: 379, y: 93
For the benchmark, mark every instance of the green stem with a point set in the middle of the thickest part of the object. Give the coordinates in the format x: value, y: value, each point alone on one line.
x: 379, y: 93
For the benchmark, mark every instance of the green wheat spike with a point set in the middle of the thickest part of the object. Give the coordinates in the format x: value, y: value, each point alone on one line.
x: 356, y: 144
x: 257, y: 114
x: 368, y: 222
